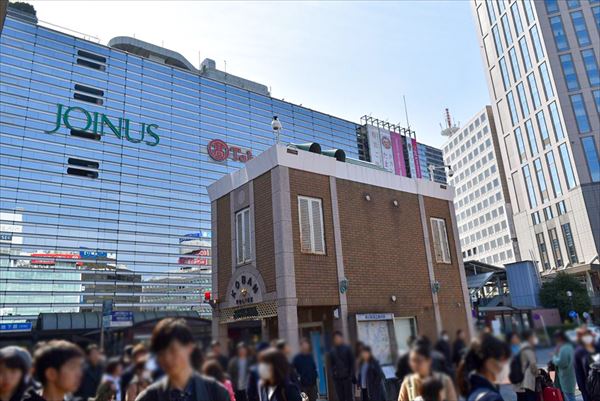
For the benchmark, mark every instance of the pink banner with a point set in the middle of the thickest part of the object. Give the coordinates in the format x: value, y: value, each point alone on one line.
x: 416, y: 157
x: 397, y: 149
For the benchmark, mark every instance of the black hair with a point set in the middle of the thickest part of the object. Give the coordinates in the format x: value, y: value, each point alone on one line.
x: 279, y: 362
x: 527, y: 334
x: 15, y: 361
x: 112, y: 365
x: 337, y: 333
x: 212, y: 368
x: 197, y: 358
x: 54, y: 354
x: 560, y: 335
x: 431, y: 388
x: 169, y: 330
x: 280, y: 344
x: 90, y: 348
x: 368, y: 349
x: 423, y: 340
x: 485, y: 347
x: 422, y: 349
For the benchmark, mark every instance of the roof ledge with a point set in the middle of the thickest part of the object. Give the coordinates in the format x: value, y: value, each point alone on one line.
x: 148, y: 50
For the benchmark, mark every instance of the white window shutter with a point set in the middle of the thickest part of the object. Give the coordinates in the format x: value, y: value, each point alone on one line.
x: 317, y: 225
x: 305, y: 229
x: 444, y: 241
x: 239, y: 240
x: 247, y: 236
x: 435, y: 233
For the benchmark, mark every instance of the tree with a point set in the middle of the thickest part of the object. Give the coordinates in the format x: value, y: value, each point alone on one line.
x: 23, y: 7
x: 553, y: 294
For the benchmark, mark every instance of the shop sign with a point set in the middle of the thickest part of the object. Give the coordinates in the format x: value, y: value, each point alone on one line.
x: 245, y: 288
x: 194, y: 261
x: 194, y: 236
x: 15, y: 327
x: 220, y: 151
x: 367, y: 317
x: 96, y: 123
x: 6, y: 237
x: 245, y: 313
x: 93, y: 254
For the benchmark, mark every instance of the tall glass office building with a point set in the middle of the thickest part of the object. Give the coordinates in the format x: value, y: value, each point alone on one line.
x: 105, y: 156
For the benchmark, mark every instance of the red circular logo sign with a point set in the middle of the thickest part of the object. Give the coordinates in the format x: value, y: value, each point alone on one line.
x: 218, y: 150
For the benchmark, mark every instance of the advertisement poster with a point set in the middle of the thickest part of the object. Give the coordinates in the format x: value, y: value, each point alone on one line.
x: 416, y: 158
x: 374, y: 145
x: 397, y: 150
x: 387, y: 154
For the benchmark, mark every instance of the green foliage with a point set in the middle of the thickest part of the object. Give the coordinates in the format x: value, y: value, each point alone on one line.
x: 553, y: 294
x: 23, y: 7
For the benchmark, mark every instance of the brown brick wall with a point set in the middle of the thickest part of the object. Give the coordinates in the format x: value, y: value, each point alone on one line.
x: 316, y: 275
x: 450, y: 297
x: 263, y: 222
x: 384, y: 253
x: 224, y: 245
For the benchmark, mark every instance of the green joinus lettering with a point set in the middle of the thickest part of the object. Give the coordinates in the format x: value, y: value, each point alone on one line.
x: 65, y: 115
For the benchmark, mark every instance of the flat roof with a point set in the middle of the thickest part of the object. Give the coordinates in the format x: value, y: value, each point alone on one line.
x: 278, y: 155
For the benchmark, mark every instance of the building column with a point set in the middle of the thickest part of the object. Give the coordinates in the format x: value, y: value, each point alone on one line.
x: 219, y: 331
x: 340, y: 324
x: 285, y: 275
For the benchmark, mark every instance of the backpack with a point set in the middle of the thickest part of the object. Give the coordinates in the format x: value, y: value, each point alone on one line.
x: 516, y: 375
x: 593, y: 381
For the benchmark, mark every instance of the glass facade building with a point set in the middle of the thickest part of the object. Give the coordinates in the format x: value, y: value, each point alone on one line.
x: 105, y: 156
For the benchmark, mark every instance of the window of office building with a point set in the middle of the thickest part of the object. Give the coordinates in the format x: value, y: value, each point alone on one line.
x: 523, y: 100
x: 529, y: 186
x: 555, y: 244
x: 570, y: 243
x: 512, y: 107
x: 541, y: 120
x: 565, y: 158
x: 506, y: 28
x: 558, y: 30
x: 546, y: 81
x: 520, y: 144
x: 514, y: 63
x: 312, y: 233
x: 529, y: 11
x: 243, y: 238
x: 537, y: 44
x: 561, y: 208
x: 491, y: 11
x: 537, y: 164
x: 591, y: 155
x: 556, y: 124
x: 596, y: 95
x: 591, y: 67
x: 525, y: 53
x: 573, y: 4
x: 583, y: 38
x: 548, y: 214
x: 501, y: 6
x: 497, y: 40
x: 581, y: 116
x: 596, y: 12
x: 535, y: 94
x: 543, y: 250
x: 440, y: 240
x: 504, y: 71
x: 533, y: 147
x: 551, y: 6
x: 552, y: 168
x: 514, y: 9
x: 566, y: 61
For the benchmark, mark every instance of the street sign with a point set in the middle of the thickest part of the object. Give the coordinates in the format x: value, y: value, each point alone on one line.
x: 15, y: 327
x: 121, y: 319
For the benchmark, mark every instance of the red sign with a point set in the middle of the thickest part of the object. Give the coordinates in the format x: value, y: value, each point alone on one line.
x: 219, y: 151
x: 51, y: 256
x: 194, y: 261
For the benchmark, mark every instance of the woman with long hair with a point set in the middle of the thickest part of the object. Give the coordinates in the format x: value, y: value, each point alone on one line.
x: 106, y: 392
x: 420, y: 361
x: 370, y: 376
x: 485, y: 364
x: 274, y: 374
x: 212, y: 368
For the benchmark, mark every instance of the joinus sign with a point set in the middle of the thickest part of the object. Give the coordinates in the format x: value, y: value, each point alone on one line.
x: 94, y: 122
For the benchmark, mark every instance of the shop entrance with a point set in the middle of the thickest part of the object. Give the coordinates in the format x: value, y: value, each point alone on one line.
x: 248, y: 331
x: 315, y: 333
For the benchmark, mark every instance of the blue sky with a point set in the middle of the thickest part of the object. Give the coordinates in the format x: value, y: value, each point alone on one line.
x: 343, y: 58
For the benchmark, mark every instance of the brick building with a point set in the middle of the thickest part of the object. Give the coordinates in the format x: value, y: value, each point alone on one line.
x: 304, y: 244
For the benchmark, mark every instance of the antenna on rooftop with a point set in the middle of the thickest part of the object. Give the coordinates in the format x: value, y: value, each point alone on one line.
x: 406, y: 112
x: 451, y: 128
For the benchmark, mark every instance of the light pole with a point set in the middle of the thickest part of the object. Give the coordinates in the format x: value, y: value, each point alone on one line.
x: 277, y: 127
x: 446, y: 168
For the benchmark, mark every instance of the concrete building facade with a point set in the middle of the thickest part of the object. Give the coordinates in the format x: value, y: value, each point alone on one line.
x: 482, y: 203
x: 541, y: 62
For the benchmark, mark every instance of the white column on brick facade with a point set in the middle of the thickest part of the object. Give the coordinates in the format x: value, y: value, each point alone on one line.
x: 219, y: 331
x: 436, y: 305
x: 285, y: 276
x: 339, y: 256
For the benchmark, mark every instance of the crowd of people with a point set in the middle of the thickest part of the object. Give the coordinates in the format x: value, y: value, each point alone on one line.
x: 172, y: 367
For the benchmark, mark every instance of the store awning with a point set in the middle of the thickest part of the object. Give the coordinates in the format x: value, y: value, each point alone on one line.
x: 476, y: 281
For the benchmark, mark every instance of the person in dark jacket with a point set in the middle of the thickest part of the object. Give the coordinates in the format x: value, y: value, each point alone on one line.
x: 238, y: 371
x: 341, y: 365
x: 139, y: 353
x: 370, y: 377
x: 173, y: 343
x: 458, y: 347
x: 92, y: 373
x: 582, y: 360
x: 274, y: 373
x: 217, y: 353
x: 443, y: 346
x: 485, y: 363
x: 305, y: 366
x: 15, y: 365
x: 253, y: 378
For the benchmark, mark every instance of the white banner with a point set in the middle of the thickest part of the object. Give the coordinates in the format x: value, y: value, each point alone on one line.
x: 375, y: 145
x: 387, y: 154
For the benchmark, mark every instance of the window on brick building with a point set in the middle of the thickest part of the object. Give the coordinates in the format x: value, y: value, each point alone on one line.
x: 312, y: 233
x: 440, y: 240
x: 243, y: 236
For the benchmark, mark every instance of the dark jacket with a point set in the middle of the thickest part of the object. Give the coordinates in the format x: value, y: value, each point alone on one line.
x: 582, y: 362
x: 403, y: 368
x: 126, y: 378
x: 458, y: 349
x: 20, y: 392
x: 252, y: 386
x: 443, y: 347
x: 234, y: 372
x: 287, y: 391
x: 92, y: 377
x: 32, y: 395
x: 305, y: 366
x: 482, y: 389
x: 375, y: 381
x: 205, y: 389
x: 341, y: 363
